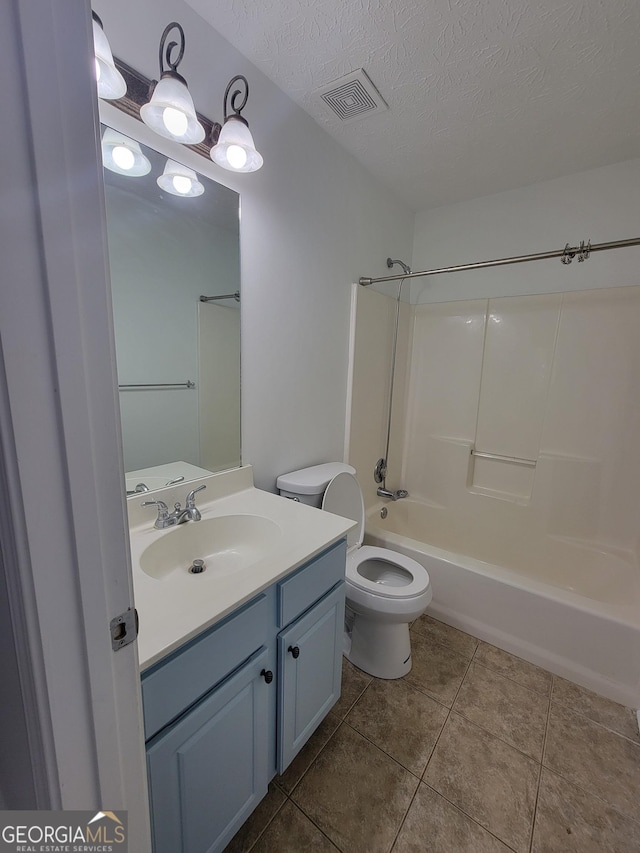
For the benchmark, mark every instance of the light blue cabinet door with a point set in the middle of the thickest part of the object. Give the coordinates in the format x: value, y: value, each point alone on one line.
x: 208, y: 771
x: 310, y: 666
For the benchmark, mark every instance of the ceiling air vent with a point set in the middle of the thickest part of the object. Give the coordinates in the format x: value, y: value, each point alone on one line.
x: 352, y: 96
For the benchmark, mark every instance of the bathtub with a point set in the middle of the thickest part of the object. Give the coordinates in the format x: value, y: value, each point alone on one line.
x: 558, y: 603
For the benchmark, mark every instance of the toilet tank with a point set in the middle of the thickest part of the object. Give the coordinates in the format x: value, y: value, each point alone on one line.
x: 307, y: 485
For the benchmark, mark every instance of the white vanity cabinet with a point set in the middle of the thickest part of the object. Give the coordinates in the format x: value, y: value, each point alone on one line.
x: 233, y: 706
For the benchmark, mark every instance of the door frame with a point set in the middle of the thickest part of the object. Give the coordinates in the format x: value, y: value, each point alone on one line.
x: 64, y: 532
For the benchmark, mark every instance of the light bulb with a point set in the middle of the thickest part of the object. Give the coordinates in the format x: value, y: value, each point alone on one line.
x: 236, y: 156
x: 235, y: 149
x: 181, y: 184
x: 111, y: 84
x: 123, y: 157
x: 175, y: 121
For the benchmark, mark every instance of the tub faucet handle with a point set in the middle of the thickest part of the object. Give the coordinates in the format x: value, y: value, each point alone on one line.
x: 395, y: 496
x: 380, y: 471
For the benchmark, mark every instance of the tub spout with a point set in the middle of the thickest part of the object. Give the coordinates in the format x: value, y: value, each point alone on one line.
x: 395, y: 496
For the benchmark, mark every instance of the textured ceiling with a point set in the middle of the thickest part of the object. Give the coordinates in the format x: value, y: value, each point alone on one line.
x: 484, y: 95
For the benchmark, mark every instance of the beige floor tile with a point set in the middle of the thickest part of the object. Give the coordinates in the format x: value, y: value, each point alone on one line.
x: 569, y: 820
x: 303, y: 760
x: 292, y: 832
x: 446, y: 635
x: 489, y: 780
x: 519, y: 670
x: 596, y: 708
x: 602, y: 762
x: 504, y: 708
x: 354, y: 681
x: 251, y: 829
x: 436, y: 670
x: 433, y: 824
x: 401, y: 720
x: 356, y: 794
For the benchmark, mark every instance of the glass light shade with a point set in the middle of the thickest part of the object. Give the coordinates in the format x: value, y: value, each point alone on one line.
x: 111, y: 83
x: 179, y: 180
x: 119, y: 150
x: 167, y: 110
x: 235, y: 149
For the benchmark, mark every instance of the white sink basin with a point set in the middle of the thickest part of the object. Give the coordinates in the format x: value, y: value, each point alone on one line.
x: 248, y: 538
x: 227, y: 544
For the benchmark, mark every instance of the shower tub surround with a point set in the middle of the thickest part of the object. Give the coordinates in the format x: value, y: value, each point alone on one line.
x: 536, y: 602
x: 515, y: 430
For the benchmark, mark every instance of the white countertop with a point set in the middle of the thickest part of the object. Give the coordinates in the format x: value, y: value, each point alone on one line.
x: 180, y: 606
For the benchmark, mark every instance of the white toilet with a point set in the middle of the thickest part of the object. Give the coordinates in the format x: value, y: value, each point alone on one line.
x: 385, y: 590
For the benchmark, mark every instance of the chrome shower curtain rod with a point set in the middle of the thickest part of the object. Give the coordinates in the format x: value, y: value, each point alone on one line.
x: 567, y: 254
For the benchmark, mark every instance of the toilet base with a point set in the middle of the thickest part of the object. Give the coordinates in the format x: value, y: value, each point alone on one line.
x: 383, y: 649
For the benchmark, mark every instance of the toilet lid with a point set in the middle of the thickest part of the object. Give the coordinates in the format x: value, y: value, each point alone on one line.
x: 343, y: 496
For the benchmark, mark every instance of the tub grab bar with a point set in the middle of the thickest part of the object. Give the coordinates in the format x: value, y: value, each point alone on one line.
x: 516, y: 460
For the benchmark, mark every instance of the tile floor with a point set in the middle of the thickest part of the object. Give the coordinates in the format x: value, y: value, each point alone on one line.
x: 475, y: 751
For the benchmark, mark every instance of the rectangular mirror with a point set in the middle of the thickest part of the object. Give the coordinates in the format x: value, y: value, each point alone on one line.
x: 171, y: 243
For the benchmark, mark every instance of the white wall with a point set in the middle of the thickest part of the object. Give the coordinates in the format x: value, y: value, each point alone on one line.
x: 601, y: 205
x: 313, y: 220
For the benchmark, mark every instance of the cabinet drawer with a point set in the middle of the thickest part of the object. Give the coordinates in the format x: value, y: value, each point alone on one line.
x: 176, y: 683
x: 309, y: 583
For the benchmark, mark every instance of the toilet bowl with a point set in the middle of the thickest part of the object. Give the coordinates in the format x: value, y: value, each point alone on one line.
x: 385, y: 590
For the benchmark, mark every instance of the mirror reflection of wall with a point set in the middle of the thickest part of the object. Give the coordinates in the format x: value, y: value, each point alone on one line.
x: 166, y: 251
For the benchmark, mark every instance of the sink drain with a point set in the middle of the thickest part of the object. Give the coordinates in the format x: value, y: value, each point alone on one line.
x: 197, y: 567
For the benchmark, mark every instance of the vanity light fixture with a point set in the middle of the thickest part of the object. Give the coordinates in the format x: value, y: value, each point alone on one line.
x: 235, y: 149
x: 179, y: 180
x: 167, y: 107
x: 111, y: 84
x: 123, y: 155
x: 171, y: 112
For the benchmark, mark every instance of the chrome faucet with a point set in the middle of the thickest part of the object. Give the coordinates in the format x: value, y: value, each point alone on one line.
x: 380, y: 471
x: 164, y: 519
x: 139, y: 489
x: 190, y: 511
x: 395, y: 496
x: 142, y: 487
x: 179, y: 515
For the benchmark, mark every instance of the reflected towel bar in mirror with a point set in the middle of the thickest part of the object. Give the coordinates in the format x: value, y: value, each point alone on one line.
x: 152, y: 386
x: 235, y: 296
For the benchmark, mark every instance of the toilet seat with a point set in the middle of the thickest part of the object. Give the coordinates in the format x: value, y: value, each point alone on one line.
x: 404, y: 587
x: 378, y: 571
